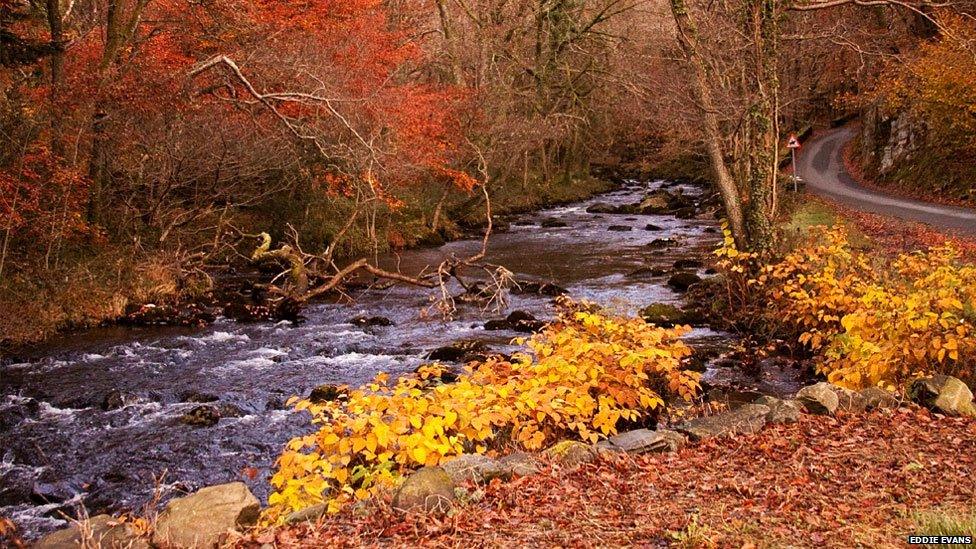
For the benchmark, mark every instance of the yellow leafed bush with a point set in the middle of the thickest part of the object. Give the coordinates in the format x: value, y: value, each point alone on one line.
x: 875, y: 322
x: 582, y: 377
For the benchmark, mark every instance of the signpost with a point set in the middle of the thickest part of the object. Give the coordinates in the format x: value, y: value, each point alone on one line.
x: 793, y: 144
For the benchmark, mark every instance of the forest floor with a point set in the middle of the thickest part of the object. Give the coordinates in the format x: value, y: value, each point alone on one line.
x: 861, y: 480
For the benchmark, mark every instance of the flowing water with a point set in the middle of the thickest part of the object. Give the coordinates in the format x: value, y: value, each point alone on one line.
x: 60, y: 448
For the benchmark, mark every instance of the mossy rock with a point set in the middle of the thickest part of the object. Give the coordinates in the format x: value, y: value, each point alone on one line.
x: 571, y: 453
x: 430, y: 489
x: 664, y: 315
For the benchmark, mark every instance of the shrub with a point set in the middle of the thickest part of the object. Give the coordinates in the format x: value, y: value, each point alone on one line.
x: 583, y: 376
x: 875, y: 322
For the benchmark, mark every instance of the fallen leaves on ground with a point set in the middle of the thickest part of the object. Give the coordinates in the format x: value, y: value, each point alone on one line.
x: 825, y: 482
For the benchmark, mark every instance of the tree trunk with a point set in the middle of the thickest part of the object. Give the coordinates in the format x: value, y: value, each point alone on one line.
x: 688, y: 39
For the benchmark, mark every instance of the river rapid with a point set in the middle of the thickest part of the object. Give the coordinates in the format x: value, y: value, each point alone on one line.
x: 60, y: 448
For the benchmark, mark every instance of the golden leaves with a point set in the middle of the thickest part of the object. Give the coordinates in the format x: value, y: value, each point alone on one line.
x: 581, y: 376
x: 877, y: 324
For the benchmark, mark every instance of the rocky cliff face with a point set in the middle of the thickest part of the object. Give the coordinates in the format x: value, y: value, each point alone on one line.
x: 886, y: 141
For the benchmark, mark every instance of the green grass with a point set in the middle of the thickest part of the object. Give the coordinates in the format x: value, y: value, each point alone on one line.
x: 946, y: 522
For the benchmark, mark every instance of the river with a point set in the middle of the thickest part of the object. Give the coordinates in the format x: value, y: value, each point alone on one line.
x: 60, y: 448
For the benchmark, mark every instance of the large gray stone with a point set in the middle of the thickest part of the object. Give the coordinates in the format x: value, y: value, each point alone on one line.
x: 819, y: 398
x: 644, y: 441
x: 99, y: 531
x: 875, y: 398
x: 746, y: 419
x: 430, y: 489
x: 308, y: 514
x: 199, y: 520
x: 945, y: 394
x: 570, y: 454
x: 848, y: 400
x: 520, y: 464
x: 475, y: 468
x: 780, y: 411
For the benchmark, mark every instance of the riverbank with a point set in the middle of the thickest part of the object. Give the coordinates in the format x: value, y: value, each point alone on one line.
x: 856, y: 480
x: 108, y: 280
x: 98, y: 415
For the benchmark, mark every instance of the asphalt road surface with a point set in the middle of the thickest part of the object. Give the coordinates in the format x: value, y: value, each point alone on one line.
x: 820, y: 164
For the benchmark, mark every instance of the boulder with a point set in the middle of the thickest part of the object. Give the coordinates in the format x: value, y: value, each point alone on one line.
x: 687, y: 263
x: 117, y: 399
x: 601, y: 208
x: 570, y: 454
x: 370, y: 321
x: 475, y: 468
x: 746, y: 419
x: 875, y: 398
x: 647, y: 272
x: 201, y: 416
x: 848, y: 400
x: 682, y: 281
x: 553, y: 223
x: 819, y: 398
x: 99, y: 531
x: 539, y: 288
x: 519, y: 464
x: 327, y: 393
x: 653, y: 227
x: 654, y: 204
x: 308, y: 514
x: 780, y: 411
x: 644, y: 441
x: 620, y: 228
x: 519, y: 321
x: 200, y: 519
x: 198, y: 397
x: 944, y: 394
x: 460, y: 351
x: 661, y: 243
x: 430, y: 489
x: 664, y: 315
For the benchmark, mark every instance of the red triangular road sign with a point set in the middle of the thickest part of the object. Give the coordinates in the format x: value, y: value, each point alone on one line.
x: 793, y: 142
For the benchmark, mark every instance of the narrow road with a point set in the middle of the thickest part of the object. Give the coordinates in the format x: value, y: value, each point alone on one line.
x: 820, y: 164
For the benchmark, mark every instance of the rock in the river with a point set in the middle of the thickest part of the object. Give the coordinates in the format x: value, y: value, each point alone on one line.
x: 664, y: 315
x: 370, y: 321
x: 875, y: 398
x: 475, y: 468
x: 945, y: 394
x: 201, y: 416
x: 780, y: 411
x: 682, y: 281
x: 653, y: 227
x: 460, y: 351
x: 645, y: 441
x: 620, y: 228
x: 746, y: 419
x: 99, y: 531
x: 519, y: 321
x: 430, y: 489
x: 647, y: 272
x: 327, y: 393
x: 601, y: 208
x: 687, y: 263
x: 661, y: 243
x: 226, y: 409
x: 538, y: 288
x: 819, y: 398
x: 196, y: 396
x: 552, y: 223
x: 200, y: 519
x: 654, y: 204
x: 571, y: 453
x: 115, y: 400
